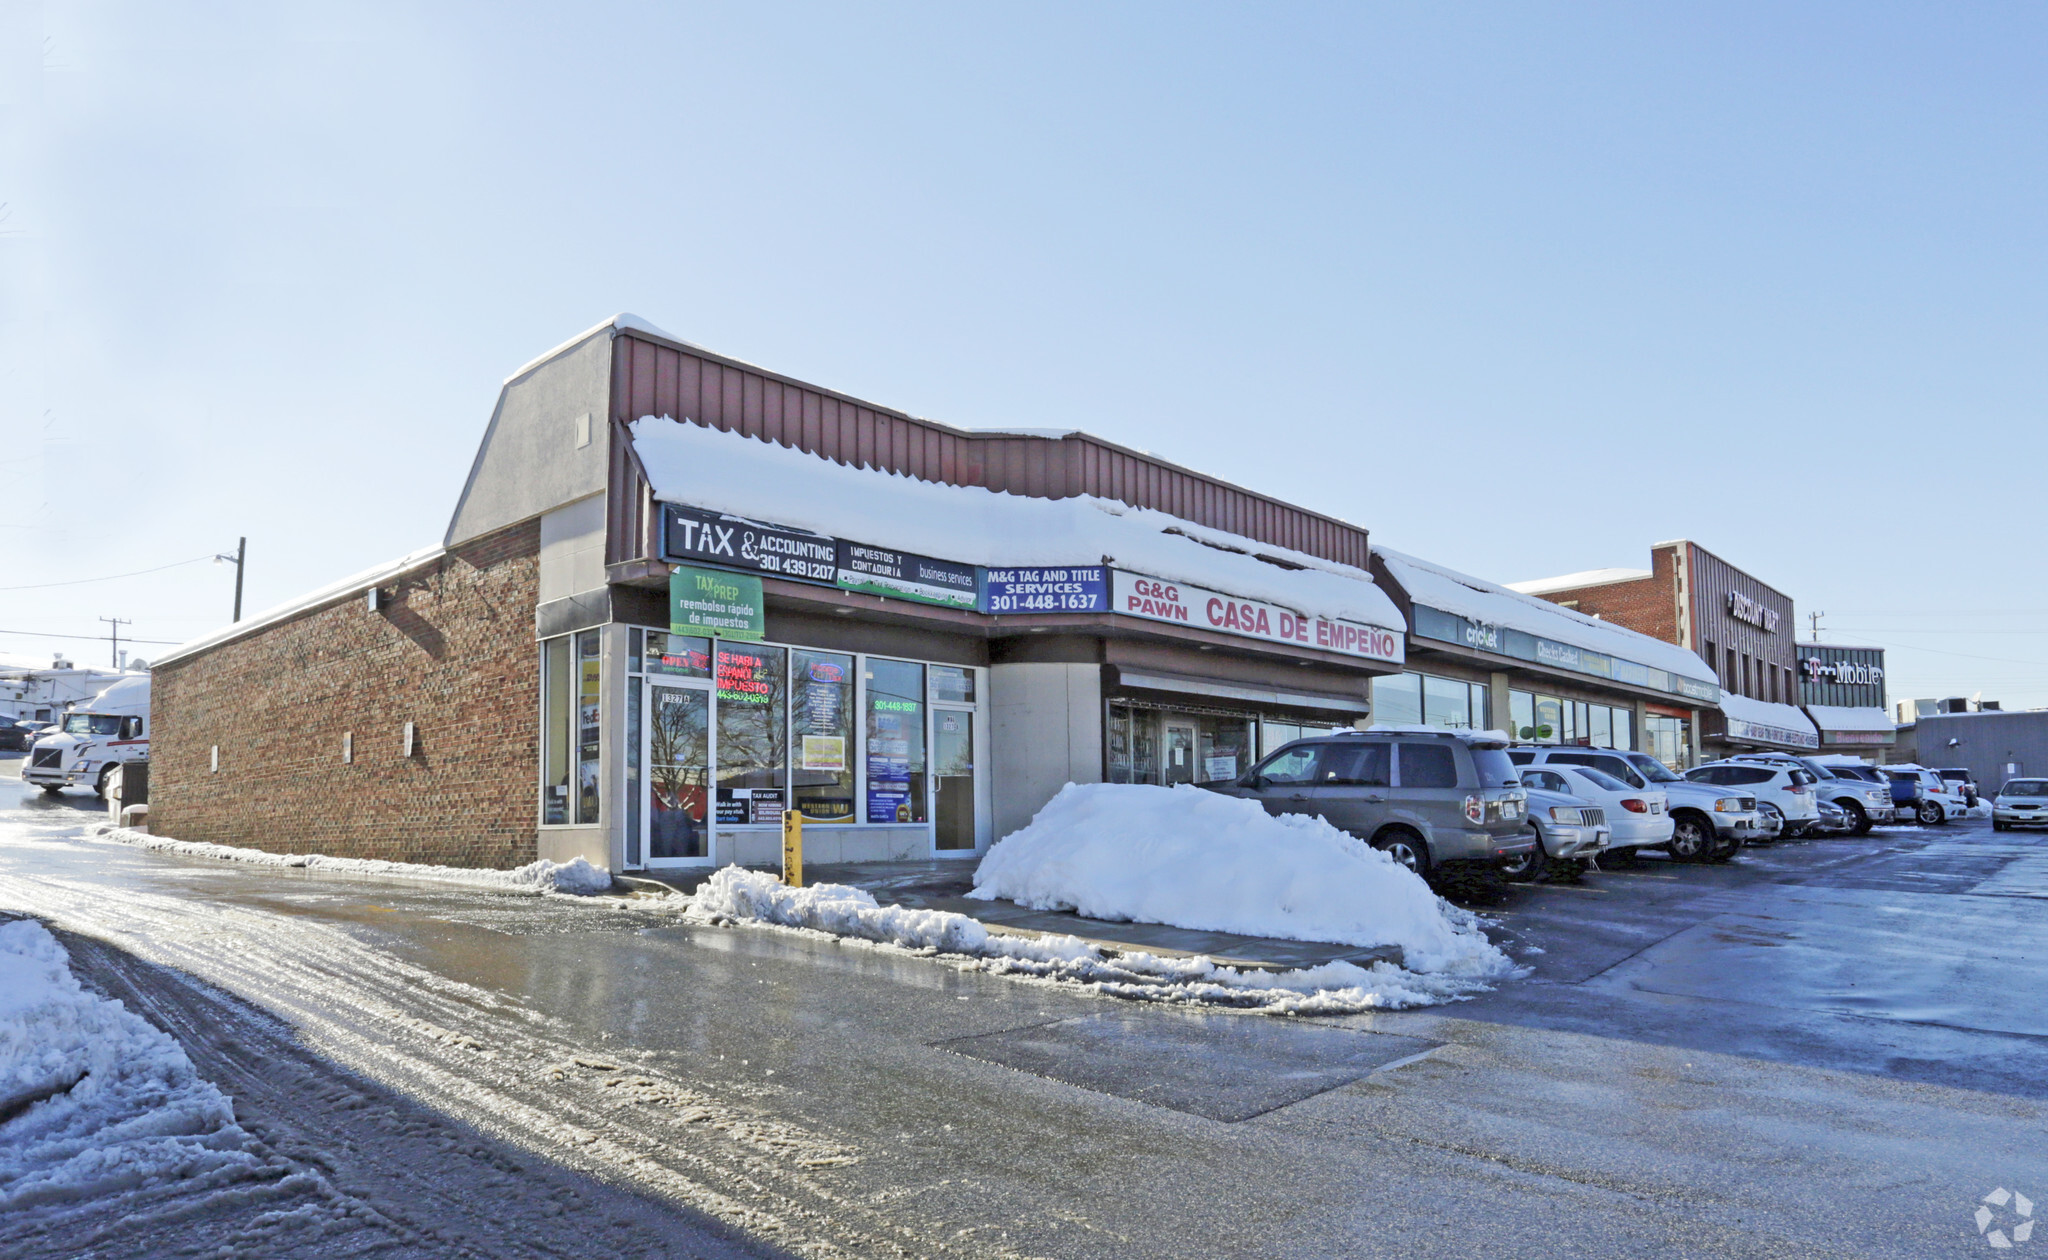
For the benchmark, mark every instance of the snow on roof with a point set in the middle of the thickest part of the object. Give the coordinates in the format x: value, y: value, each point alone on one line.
x: 1763, y: 713
x: 1573, y: 581
x: 730, y: 472
x: 621, y: 322
x: 290, y: 608
x: 1479, y: 600
x: 1837, y: 718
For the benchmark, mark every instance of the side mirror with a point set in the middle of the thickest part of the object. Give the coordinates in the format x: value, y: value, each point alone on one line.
x: 1255, y: 782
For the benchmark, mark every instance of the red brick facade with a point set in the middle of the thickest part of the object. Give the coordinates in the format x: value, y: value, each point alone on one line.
x: 1647, y: 605
x: 450, y: 650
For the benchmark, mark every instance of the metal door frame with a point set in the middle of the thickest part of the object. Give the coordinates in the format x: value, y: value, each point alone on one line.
x: 708, y: 686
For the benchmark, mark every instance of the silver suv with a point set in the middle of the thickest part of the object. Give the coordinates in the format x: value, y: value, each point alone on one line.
x: 1708, y: 824
x: 1430, y: 799
x: 1866, y: 803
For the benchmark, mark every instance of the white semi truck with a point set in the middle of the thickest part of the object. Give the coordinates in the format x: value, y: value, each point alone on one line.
x: 96, y: 736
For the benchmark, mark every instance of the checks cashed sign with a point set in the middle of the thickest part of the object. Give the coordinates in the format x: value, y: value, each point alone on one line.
x: 1158, y: 600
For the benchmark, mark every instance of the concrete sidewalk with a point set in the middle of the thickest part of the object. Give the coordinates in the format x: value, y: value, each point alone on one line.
x: 943, y: 885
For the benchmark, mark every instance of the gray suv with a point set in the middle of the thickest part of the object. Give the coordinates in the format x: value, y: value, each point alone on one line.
x: 1429, y: 799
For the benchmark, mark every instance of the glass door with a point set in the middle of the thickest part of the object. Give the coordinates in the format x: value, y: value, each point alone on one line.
x: 953, y: 780
x: 678, y: 757
x: 1180, y: 751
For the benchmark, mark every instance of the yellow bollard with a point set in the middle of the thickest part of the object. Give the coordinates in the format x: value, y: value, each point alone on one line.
x: 792, y: 848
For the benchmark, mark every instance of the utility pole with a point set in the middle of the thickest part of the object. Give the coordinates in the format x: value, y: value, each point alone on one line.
x: 241, y: 554
x: 1813, y: 619
x: 117, y: 623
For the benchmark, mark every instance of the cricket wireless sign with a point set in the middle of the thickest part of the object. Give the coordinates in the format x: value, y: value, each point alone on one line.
x: 1186, y: 605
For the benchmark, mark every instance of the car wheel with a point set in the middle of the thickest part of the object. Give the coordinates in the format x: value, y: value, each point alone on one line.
x: 1619, y: 859
x: 1691, y: 839
x: 1997, y: 825
x: 1524, y: 867
x: 1859, y: 822
x: 1405, y: 847
x: 1929, y: 813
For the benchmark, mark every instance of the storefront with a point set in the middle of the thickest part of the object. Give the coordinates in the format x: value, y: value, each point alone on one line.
x: 1482, y: 655
x: 1842, y: 689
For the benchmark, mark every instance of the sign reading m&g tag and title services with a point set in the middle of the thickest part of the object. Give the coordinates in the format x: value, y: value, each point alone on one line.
x: 710, y: 602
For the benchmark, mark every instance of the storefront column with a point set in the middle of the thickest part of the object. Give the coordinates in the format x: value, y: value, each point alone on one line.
x: 1498, y: 715
x: 1642, y: 731
x: 614, y: 647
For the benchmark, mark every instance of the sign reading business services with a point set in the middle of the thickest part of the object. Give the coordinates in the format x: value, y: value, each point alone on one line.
x: 1158, y: 600
x: 902, y: 575
x: 708, y: 602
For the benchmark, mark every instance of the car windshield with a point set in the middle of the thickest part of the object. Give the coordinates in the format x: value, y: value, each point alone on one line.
x: 2025, y: 787
x: 1601, y: 779
x: 1652, y: 769
x: 92, y: 724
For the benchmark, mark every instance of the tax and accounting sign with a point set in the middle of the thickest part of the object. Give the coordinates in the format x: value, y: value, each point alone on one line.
x: 1158, y: 600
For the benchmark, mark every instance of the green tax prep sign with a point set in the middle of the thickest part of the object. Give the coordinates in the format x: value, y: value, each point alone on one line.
x: 707, y: 602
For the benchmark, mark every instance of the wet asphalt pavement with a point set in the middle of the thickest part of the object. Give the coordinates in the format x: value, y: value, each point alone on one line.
x: 1830, y: 1047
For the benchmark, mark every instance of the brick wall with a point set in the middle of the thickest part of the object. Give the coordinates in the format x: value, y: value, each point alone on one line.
x: 1647, y: 606
x: 451, y: 651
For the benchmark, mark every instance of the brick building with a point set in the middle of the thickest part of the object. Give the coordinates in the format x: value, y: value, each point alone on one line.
x: 1739, y: 626
x: 680, y: 593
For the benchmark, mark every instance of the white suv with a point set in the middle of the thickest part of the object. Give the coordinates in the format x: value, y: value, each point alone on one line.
x: 1781, y: 791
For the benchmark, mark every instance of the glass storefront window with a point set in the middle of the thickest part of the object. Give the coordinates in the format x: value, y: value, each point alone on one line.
x: 588, y: 677
x: 678, y: 655
x: 1116, y: 738
x: 821, y: 736
x: 951, y: 685
x: 752, y: 767
x: 1225, y: 748
x: 1397, y: 700
x: 1666, y: 739
x: 1601, y: 732
x: 557, y: 691
x: 1446, y: 702
x: 1549, y: 719
x: 1624, y: 729
x: 895, y: 733
x: 1522, y: 714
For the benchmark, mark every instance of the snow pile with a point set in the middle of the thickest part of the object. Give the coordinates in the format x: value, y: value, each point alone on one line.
x: 577, y: 876
x: 93, y: 1100
x: 1197, y: 859
x: 737, y: 895
x: 778, y: 485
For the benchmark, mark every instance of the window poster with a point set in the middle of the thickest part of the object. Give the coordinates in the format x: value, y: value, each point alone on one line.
x: 889, y: 767
x: 824, y: 752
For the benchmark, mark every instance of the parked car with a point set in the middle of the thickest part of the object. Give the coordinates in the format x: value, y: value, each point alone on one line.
x: 1866, y: 803
x: 1833, y: 820
x: 17, y: 736
x: 1707, y: 825
x: 1960, y: 780
x: 1784, y: 794
x: 1637, y: 817
x: 1924, y: 794
x: 1570, y: 829
x: 1431, y: 799
x: 2020, y: 803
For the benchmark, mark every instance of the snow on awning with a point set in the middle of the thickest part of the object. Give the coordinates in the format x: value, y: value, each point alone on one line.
x: 1836, y: 718
x: 1761, y: 722
x: 695, y: 467
x: 1493, y: 617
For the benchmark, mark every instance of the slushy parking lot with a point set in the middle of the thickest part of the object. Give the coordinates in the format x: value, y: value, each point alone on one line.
x: 1824, y: 1047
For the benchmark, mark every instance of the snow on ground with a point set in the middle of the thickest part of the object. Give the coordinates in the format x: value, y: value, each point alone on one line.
x: 577, y: 876
x: 1197, y: 859
x: 94, y: 1101
x: 735, y: 894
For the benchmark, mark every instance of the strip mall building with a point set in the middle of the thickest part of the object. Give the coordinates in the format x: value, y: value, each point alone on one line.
x: 680, y: 594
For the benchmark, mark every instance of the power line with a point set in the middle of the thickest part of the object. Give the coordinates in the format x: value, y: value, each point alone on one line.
x: 39, y: 634
x: 40, y: 586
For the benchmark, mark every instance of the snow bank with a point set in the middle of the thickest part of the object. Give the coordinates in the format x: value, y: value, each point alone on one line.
x: 93, y: 1100
x: 778, y: 485
x: 734, y: 894
x: 1197, y: 859
x: 577, y: 876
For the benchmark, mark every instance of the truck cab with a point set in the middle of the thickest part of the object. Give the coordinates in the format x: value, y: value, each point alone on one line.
x: 93, y: 738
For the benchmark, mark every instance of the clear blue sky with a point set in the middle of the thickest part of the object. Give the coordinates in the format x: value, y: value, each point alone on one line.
x: 1521, y: 288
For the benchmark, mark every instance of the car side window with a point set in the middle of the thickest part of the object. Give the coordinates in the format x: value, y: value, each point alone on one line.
x: 1422, y: 765
x: 1548, y: 780
x: 1522, y: 758
x: 1355, y: 765
x: 1753, y: 775
x: 1296, y: 764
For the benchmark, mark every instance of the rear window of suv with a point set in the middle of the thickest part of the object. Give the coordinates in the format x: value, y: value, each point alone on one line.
x: 1426, y: 766
x: 1496, y: 767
